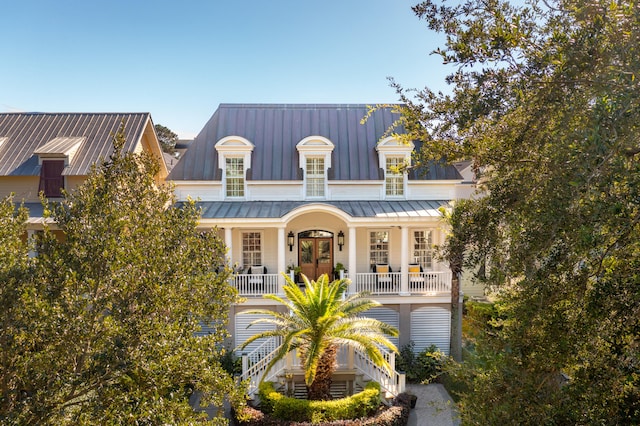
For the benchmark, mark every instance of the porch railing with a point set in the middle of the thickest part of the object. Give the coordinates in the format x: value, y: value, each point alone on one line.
x: 393, y: 383
x: 374, y: 283
x: 419, y: 283
x: 256, y: 285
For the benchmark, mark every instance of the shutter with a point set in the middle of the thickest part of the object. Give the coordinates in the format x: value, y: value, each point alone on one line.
x: 243, y: 333
x: 51, y: 179
x: 385, y: 315
x: 431, y: 326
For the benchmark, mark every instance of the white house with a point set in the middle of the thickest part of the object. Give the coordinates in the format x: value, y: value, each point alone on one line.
x: 313, y: 186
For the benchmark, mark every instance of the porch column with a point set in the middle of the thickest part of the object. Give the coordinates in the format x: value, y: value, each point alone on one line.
x: 31, y: 234
x: 352, y: 255
x: 281, y: 261
x: 404, y: 261
x: 228, y: 241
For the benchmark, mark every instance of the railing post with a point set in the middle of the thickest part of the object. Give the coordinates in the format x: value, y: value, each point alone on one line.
x: 401, y: 382
x: 245, y: 362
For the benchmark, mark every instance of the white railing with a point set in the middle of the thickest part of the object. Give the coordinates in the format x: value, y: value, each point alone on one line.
x: 254, y: 372
x: 419, y: 283
x: 342, y: 358
x: 392, y: 383
x: 256, y: 285
x: 430, y: 282
x: 374, y: 283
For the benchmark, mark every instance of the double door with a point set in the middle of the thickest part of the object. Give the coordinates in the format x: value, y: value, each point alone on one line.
x: 315, y: 256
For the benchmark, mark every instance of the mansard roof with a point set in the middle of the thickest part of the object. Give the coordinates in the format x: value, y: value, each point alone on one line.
x: 276, y: 129
x: 25, y: 135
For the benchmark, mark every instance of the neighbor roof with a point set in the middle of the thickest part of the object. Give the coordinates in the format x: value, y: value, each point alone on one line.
x: 276, y: 129
x: 25, y: 134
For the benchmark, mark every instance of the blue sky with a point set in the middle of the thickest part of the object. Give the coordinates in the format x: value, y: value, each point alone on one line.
x: 179, y: 59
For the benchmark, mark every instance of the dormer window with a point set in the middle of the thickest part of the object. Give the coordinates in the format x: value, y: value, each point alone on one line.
x: 315, y: 160
x: 394, y: 177
x: 234, y: 158
x: 234, y: 176
x: 51, y: 179
x: 54, y: 156
x: 393, y: 157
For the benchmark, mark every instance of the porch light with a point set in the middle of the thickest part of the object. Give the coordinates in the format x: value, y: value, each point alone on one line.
x: 340, y: 239
x: 290, y: 240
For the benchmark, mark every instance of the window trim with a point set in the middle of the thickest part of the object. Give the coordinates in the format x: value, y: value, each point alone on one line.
x: 393, y: 148
x: 242, y: 246
x: 431, y: 250
x: 234, y: 147
x: 373, y: 261
x: 315, y: 147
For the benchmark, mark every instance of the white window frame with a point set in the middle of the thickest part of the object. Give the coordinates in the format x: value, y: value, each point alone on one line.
x: 391, y: 148
x: 423, y: 255
x: 234, y: 147
x: 244, y: 252
x: 315, y: 147
x: 230, y: 190
x: 385, y: 250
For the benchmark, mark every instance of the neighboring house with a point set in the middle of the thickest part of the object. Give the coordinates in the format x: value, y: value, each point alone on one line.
x: 49, y: 152
x: 310, y: 186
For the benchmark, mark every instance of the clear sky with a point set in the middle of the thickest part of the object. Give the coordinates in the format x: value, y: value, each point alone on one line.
x: 179, y: 59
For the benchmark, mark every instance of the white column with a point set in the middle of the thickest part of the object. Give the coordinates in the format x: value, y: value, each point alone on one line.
x: 228, y: 241
x: 30, y: 236
x: 281, y: 258
x: 353, y: 259
x: 404, y: 261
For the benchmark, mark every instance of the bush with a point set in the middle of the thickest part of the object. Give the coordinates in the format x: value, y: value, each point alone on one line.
x: 362, y: 404
x: 424, y: 367
x: 396, y: 415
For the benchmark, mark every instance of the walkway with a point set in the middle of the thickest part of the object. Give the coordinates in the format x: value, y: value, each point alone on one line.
x: 433, y: 408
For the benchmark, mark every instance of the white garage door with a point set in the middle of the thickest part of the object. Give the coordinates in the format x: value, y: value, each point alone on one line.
x: 385, y: 315
x: 243, y: 333
x: 431, y: 326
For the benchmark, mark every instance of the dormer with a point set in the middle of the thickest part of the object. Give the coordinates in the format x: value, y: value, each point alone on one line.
x: 234, y: 159
x: 393, y: 156
x: 315, y: 160
x: 53, y: 158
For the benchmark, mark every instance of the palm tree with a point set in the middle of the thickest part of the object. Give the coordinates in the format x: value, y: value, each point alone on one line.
x: 318, y: 321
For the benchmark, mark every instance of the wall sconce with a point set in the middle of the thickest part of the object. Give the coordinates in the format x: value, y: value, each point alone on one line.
x: 290, y: 240
x: 340, y: 239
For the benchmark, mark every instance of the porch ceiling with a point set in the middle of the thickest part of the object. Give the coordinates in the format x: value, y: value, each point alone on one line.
x: 277, y: 209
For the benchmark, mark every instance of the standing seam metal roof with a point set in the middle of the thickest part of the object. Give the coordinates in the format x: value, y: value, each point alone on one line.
x: 277, y: 209
x: 26, y: 132
x: 276, y: 129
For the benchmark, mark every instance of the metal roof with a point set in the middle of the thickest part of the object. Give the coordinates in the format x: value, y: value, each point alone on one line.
x: 27, y: 133
x: 276, y: 129
x: 277, y: 209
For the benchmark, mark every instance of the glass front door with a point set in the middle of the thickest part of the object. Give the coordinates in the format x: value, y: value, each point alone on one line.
x: 315, y: 256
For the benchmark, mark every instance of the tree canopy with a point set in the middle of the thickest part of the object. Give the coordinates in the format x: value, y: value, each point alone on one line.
x: 545, y: 101
x: 99, y: 327
x: 166, y: 137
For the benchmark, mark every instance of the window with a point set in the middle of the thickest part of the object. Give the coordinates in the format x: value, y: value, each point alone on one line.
x: 51, y: 179
x: 378, y: 247
x: 251, y: 248
x: 423, y: 248
x: 234, y: 174
x: 315, y: 177
x: 394, y: 177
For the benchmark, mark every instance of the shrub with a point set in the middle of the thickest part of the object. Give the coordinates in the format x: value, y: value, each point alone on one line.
x: 396, y: 415
x: 424, y: 367
x: 282, y: 407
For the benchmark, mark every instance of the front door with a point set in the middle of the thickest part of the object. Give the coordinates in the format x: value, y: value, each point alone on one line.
x: 315, y: 256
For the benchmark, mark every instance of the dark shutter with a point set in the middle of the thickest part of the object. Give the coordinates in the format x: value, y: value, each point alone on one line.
x: 51, y: 179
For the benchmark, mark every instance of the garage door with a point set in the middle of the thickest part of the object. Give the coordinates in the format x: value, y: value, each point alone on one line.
x: 431, y: 326
x: 243, y: 333
x: 385, y: 315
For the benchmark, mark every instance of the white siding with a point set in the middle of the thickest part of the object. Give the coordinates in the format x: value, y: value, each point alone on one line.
x: 431, y: 326
x: 243, y: 333
x: 385, y: 315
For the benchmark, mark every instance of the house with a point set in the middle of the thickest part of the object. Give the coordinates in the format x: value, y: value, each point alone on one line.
x: 49, y: 152
x: 312, y: 186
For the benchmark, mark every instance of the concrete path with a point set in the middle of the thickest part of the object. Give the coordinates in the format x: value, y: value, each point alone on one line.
x: 434, y: 406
